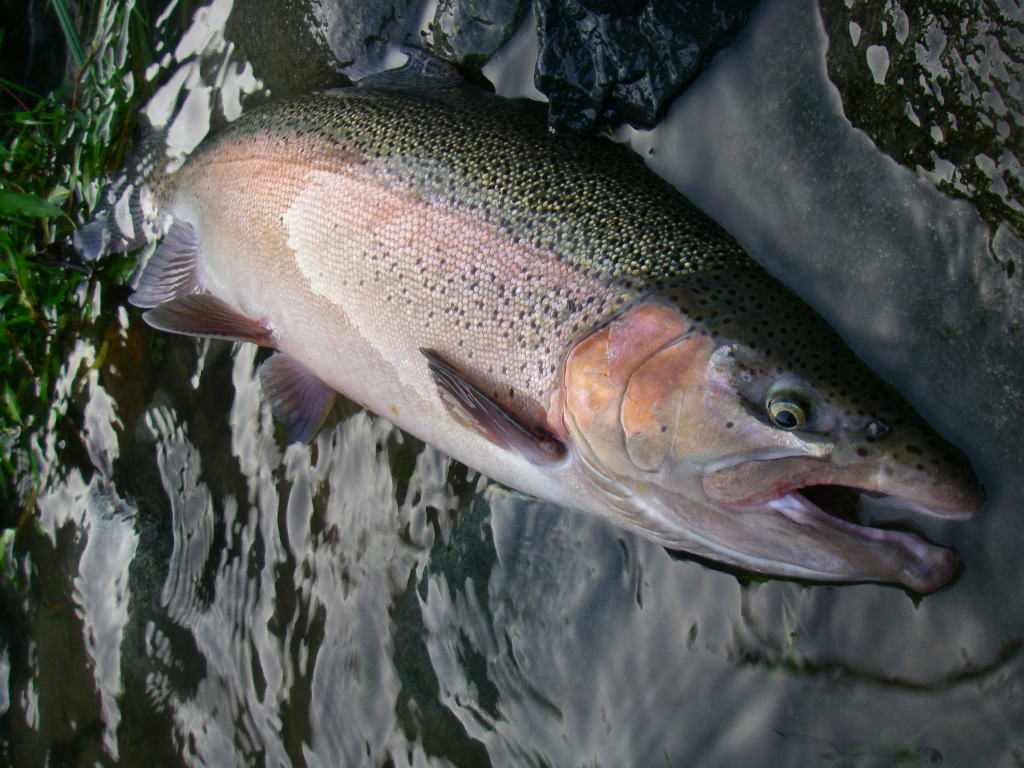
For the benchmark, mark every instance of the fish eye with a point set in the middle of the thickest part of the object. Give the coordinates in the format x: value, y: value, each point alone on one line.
x: 786, y: 413
x: 787, y: 407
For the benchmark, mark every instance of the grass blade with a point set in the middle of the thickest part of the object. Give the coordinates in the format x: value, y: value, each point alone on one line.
x: 70, y: 33
x: 17, y: 204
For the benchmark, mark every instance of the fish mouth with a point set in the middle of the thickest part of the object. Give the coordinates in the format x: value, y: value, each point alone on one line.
x: 821, y: 506
x: 838, y: 506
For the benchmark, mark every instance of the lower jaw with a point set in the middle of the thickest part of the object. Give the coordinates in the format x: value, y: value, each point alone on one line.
x: 798, y: 508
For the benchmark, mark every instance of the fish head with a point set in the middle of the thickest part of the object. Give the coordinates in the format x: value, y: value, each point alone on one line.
x: 705, y: 442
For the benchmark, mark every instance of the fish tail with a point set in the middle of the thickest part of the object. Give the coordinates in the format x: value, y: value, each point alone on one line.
x: 126, y: 217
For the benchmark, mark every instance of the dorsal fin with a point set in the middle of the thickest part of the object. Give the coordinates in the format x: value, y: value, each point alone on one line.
x: 171, y: 270
x: 207, y: 316
x: 298, y: 398
x: 485, y: 415
x: 419, y: 67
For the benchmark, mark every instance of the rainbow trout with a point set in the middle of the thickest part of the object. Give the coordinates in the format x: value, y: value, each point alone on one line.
x: 551, y: 313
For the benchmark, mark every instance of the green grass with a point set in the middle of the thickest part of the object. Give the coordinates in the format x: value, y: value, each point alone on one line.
x: 56, y: 150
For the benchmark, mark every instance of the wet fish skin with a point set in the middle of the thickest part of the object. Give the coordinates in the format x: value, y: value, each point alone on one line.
x: 558, y: 277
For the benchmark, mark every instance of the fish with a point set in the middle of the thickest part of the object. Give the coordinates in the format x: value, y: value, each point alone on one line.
x: 551, y: 313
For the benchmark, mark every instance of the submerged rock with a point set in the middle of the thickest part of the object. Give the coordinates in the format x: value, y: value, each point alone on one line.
x: 939, y: 87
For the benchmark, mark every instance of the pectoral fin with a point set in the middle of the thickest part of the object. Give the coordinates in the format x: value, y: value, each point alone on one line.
x: 207, y: 316
x: 485, y: 415
x: 297, y: 397
x: 171, y: 270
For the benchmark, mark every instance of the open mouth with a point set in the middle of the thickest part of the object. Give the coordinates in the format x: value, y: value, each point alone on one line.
x: 832, y: 505
x: 837, y: 500
x: 861, y: 507
x: 918, y: 564
x: 868, y: 513
x: 846, y: 523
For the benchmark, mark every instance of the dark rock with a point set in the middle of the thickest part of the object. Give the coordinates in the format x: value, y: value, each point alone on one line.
x: 613, y: 6
x: 296, y: 46
x: 468, y: 33
x: 267, y: 34
x: 358, y: 32
x: 608, y: 63
x: 601, y: 62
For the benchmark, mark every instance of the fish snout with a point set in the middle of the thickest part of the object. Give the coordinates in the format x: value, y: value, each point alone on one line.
x: 938, y: 485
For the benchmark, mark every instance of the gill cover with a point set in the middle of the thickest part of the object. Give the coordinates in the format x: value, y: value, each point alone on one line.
x: 626, y: 388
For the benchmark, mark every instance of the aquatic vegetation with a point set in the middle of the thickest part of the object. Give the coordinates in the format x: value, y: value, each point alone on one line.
x: 56, y: 149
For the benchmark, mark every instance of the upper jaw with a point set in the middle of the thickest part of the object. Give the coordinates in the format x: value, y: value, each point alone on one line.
x: 759, y: 480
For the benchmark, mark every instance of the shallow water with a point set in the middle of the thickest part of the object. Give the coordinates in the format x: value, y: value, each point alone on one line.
x: 199, y: 595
